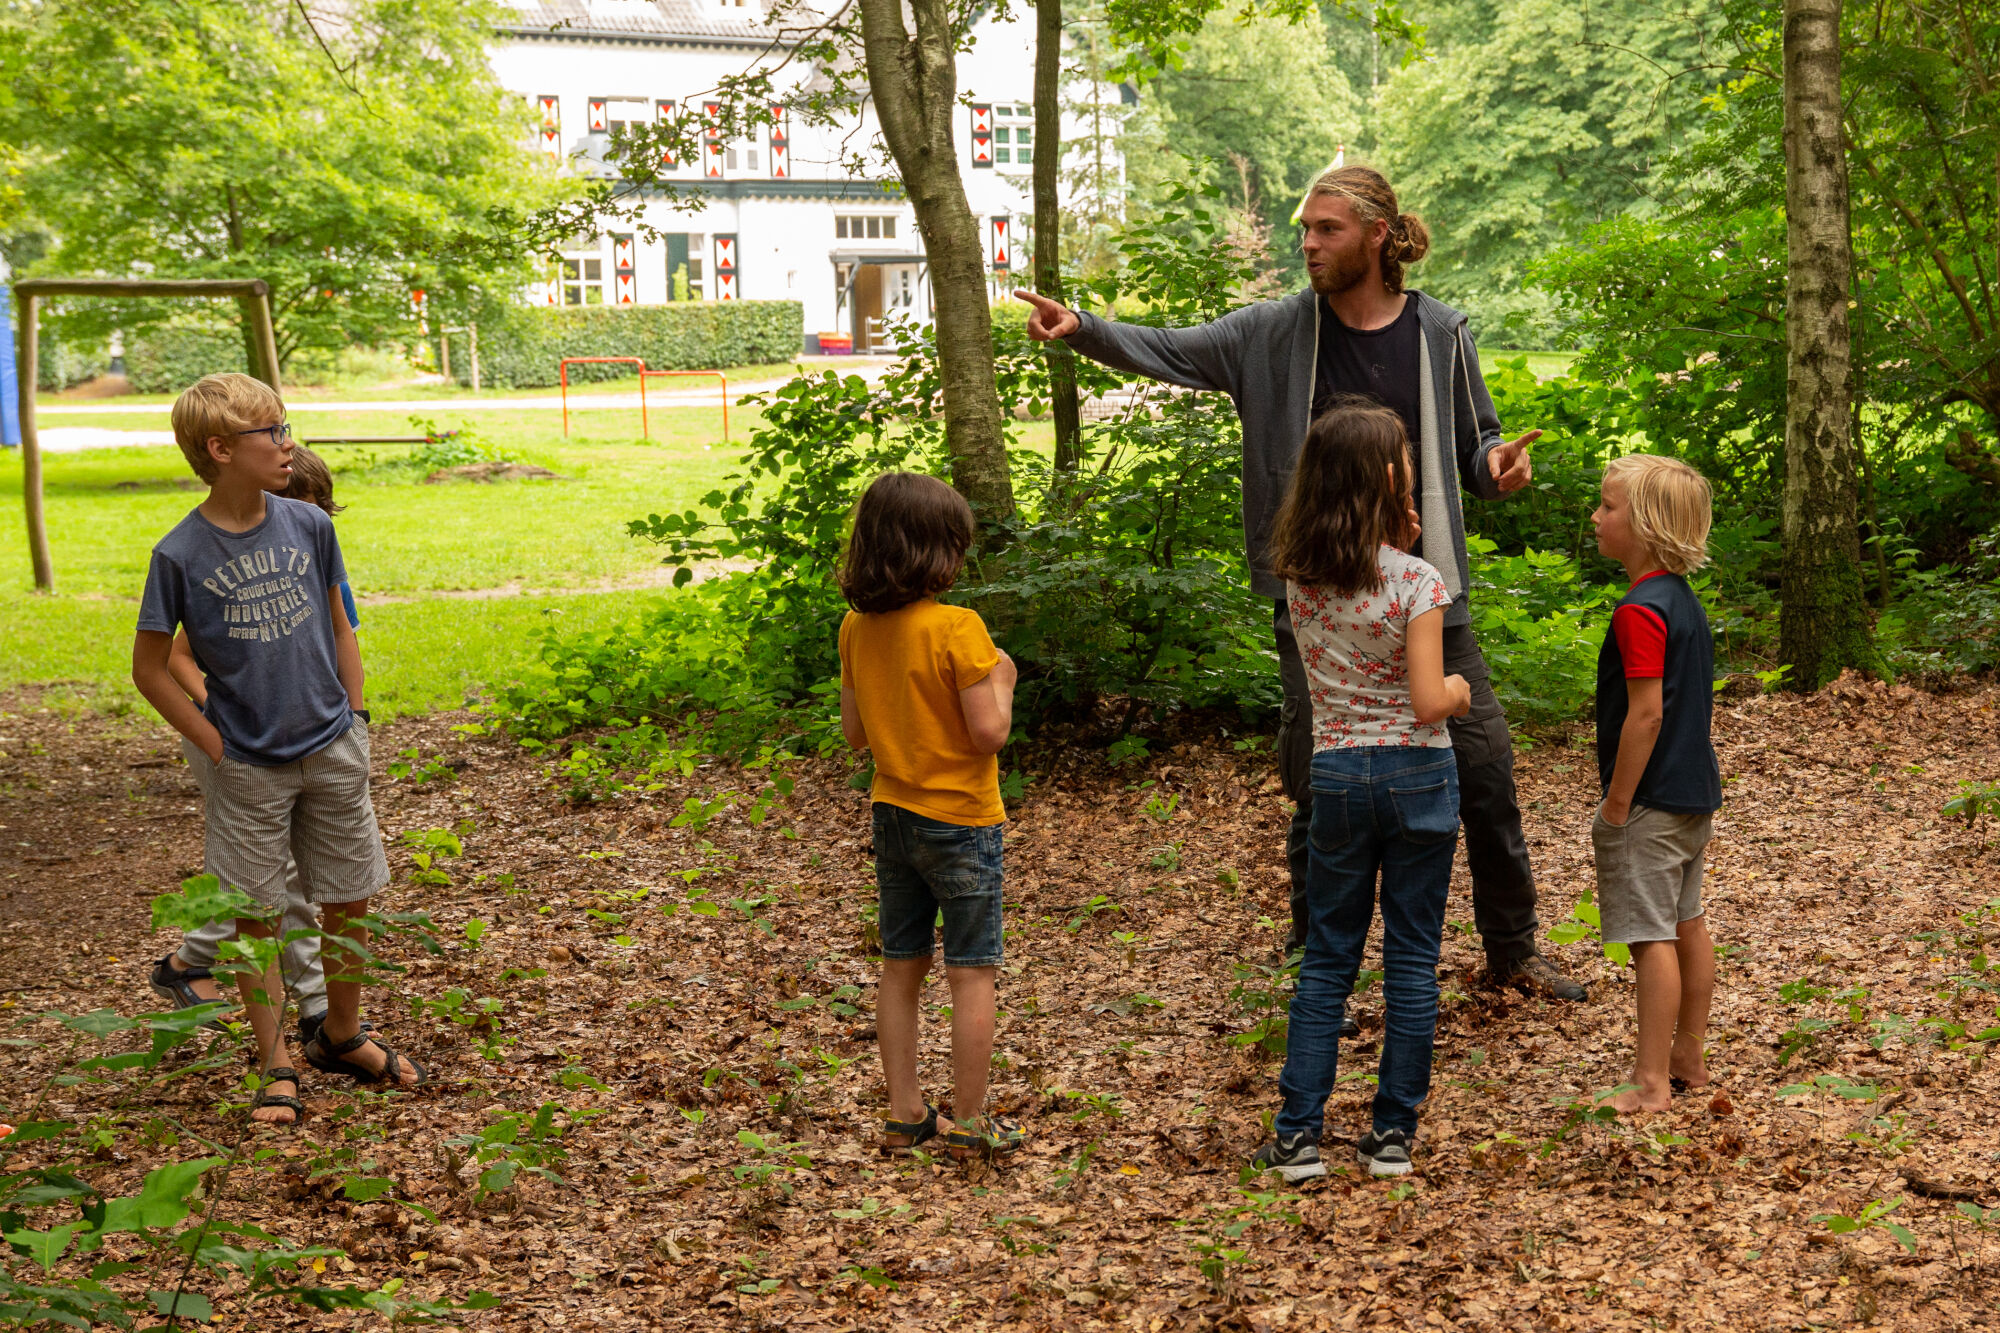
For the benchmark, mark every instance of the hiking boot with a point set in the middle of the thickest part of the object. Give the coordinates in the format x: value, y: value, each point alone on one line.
x: 1534, y: 975
x: 1386, y: 1153
x: 1295, y: 1157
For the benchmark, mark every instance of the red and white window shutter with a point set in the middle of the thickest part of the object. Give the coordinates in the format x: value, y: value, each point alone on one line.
x: 725, y: 267
x: 550, y: 107
x: 1003, y: 244
x: 663, y: 114
x: 982, y: 135
x: 622, y: 253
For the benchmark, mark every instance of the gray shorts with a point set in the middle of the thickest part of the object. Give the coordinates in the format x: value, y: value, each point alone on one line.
x: 1648, y: 873
x: 316, y: 811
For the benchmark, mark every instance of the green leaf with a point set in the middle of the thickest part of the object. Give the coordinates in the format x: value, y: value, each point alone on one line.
x: 160, y: 1202
x: 45, y: 1247
x: 183, y: 1305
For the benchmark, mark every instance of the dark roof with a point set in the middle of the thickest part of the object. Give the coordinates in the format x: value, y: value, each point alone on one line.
x: 640, y: 21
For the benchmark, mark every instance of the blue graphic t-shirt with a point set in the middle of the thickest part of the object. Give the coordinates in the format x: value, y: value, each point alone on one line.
x: 257, y: 617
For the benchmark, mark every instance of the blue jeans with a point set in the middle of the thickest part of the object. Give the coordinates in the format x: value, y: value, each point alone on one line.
x: 1396, y: 811
x: 926, y: 869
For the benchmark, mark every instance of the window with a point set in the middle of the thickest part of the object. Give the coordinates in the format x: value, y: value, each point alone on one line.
x: 1013, y: 135
x: 622, y: 112
x: 685, y: 273
x: 866, y: 226
x: 582, y: 278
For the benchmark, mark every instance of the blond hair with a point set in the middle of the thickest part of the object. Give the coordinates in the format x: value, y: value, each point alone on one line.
x: 222, y: 405
x: 1374, y: 200
x: 1671, y: 508
x: 312, y: 481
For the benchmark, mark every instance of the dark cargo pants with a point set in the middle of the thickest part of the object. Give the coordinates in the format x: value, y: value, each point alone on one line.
x: 1496, y: 852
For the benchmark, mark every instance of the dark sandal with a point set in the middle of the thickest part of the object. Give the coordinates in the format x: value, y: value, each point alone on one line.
x: 918, y: 1131
x: 984, y: 1136
x: 176, y: 987
x: 268, y: 1098
x: 328, y: 1061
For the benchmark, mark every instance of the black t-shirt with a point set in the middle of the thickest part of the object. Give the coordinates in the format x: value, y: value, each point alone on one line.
x: 1376, y: 363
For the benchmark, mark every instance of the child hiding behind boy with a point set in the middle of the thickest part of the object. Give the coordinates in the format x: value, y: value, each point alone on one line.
x: 255, y: 580
x: 186, y: 977
x: 924, y: 688
x: 1657, y: 767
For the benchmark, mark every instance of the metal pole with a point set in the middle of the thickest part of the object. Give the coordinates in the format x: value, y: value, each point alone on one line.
x: 444, y: 353
x: 645, y: 428
x: 565, y: 398
x: 472, y: 340
x: 31, y: 446
x: 258, y: 307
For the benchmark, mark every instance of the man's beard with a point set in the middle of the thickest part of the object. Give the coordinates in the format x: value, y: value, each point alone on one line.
x: 1344, y: 271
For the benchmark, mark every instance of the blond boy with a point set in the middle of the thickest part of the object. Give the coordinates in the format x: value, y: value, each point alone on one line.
x: 1657, y: 766
x: 254, y: 579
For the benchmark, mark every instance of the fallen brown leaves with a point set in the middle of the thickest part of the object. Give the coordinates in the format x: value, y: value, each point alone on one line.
x: 1833, y: 868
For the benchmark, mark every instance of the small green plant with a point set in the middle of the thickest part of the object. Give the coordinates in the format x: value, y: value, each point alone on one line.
x: 1067, y: 1177
x: 1017, y: 1245
x: 1126, y: 749
x: 428, y: 847
x: 1973, y: 800
x: 410, y: 764
x: 1262, y: 993
x: 1889, y: 1135
x: 1160, y: 807
x: 1093, y: 1103
x: 1099, y: 903
x: 1803, y: 1036
x: 1585, y: 922
x: 1595, y: 1109
x: 517, y: 1142
x: 1835, y: 1084
x: 868, y: 1209
x: 1871, y: 1215
x: 1166, y: 857
x: 771, y: 1161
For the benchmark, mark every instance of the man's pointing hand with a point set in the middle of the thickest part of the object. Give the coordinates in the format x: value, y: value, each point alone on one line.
x: 1052, y: 319
x: 1510, y: 464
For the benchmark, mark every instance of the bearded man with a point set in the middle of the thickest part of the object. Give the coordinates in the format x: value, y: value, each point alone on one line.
x: 1357, y: 331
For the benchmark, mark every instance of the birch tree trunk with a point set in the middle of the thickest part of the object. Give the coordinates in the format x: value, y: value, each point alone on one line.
x: 1822, y: 626
x: 913, y: 81
x: 1048, y: 231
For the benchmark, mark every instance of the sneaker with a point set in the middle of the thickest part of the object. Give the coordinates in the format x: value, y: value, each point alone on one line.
x: 1386, y: 1153
x: 1535, y: 974
x: 1295, y: 1157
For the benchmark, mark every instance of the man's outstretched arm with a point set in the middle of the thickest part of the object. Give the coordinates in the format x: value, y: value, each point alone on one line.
x: 1201, y: 357
x: 1489, y: 464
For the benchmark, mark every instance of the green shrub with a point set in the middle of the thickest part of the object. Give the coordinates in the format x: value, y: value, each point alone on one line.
x: 61, y: 363
x: 519, y: 346
x: 168, y: 357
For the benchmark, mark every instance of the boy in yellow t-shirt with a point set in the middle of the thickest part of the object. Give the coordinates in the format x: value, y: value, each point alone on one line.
x: 923, y: 686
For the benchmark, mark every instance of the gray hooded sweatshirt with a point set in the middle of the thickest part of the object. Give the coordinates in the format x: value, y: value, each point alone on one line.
x: 1264, y: 357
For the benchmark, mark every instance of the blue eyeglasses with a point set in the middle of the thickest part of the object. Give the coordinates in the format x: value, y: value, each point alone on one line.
x: 278, y: 433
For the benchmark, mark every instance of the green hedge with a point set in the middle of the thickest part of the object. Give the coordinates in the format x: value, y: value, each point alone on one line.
x: 61, y: 364
x: 520, y: 349
x: 169, y: 357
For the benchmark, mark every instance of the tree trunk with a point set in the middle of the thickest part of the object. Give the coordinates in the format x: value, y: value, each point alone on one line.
x: 1048, y: 230
x: 1822, y: 626
x: 913, y: 81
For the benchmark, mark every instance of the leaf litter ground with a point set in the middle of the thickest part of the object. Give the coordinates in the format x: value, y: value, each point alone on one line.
x: 1835, y: 880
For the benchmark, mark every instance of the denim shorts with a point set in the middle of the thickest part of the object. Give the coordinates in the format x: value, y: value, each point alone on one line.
x: 926, y: 867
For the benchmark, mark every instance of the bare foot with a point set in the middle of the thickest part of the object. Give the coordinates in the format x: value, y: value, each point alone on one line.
x: 278, y: 1115
x: 1688, y: 1071
x: 1634, y: 1100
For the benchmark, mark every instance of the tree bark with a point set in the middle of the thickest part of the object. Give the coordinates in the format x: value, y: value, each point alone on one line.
x: 1822, y: 625
x: 1048, y: 231
x: 913, y: 80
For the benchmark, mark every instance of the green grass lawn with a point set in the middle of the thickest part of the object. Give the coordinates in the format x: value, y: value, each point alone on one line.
x: 401, y: 539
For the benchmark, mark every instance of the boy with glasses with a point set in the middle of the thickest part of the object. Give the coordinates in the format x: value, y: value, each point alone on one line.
x: 254, y: 578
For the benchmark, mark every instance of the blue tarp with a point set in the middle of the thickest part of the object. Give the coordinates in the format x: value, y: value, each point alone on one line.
x: 10, y: 407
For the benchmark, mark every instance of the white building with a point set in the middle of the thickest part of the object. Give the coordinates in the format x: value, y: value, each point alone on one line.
x: 779, y: 217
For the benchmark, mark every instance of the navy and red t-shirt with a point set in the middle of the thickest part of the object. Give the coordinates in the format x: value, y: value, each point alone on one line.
x: 1659, y: 630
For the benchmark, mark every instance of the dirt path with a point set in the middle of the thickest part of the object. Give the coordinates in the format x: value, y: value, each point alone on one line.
x: 1833, y: 870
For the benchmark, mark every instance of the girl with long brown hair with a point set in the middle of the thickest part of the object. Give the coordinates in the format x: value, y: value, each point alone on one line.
x: 1370, y: 624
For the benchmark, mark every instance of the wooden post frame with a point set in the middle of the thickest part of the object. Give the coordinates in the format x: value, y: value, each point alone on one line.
x: 252, y: 294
